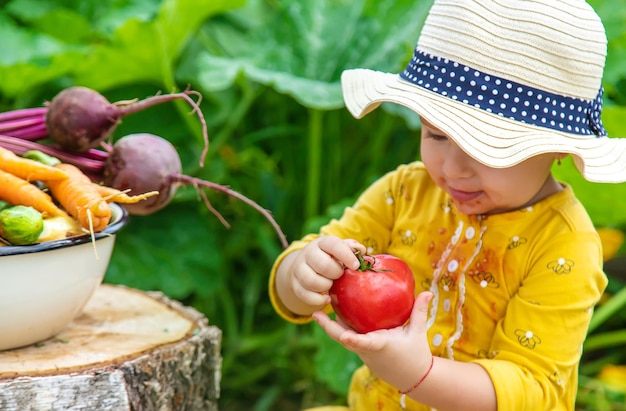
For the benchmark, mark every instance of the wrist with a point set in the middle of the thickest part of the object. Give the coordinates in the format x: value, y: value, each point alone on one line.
x: 420, y: 380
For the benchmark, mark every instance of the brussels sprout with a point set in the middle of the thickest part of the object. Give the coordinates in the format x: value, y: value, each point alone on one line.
x: 4, y: 204
x: 20, y: 225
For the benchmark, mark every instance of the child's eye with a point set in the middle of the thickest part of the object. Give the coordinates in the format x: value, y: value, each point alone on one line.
x: 437, y: 137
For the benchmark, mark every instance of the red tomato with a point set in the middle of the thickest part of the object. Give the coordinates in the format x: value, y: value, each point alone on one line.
x: 378, y: 295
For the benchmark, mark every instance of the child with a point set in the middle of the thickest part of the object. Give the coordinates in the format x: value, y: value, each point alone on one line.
x: 507, y: 263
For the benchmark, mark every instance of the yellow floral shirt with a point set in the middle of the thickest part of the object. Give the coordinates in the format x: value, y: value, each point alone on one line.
x: 513, y: 292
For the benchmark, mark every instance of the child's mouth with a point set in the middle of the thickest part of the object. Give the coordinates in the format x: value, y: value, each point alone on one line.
x: 463, y: 196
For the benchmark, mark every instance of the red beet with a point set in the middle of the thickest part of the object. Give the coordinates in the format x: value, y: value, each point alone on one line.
x: 142, y: 163
x: 145, y: 162
x: 79, y: 118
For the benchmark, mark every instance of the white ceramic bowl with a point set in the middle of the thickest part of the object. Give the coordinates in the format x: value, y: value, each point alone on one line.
x: 44, y: 286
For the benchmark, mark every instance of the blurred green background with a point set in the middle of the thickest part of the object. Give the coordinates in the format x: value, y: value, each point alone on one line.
x: 269, y: 75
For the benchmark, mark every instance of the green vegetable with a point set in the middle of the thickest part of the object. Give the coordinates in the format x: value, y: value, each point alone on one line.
x: 20, y: 225
x: 4, y: 204
x: 42, y: 157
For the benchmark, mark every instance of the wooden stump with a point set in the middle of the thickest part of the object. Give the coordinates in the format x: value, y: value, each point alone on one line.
x: 128, y: 350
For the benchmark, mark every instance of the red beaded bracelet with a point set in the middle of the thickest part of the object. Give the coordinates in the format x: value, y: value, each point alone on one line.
x: 432, y: 362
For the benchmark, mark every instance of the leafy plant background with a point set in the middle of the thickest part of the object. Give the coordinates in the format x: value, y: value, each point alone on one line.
x: 269, y: 72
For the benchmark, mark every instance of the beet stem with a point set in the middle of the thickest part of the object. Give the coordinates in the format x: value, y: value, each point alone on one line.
x: 34, y: 132
x: 21, y: 123
x: 196, y: 182
x: 19, y: 146
x: 126, y: 108
x: 95, y: 154
x: 23, y: 113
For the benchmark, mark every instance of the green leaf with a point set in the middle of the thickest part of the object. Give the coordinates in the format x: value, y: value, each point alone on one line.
x: 145, y: 51
x: 318, y: 94
x: 215, y: 74
x: 100, y: 45
x: 30, y: 58
x: 102, y: 16
x: 301, y: 48
x: 613, y: 120
x: 169, y: 251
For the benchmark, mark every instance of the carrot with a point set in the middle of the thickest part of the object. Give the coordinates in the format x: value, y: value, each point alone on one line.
x: 111, y: 194
x: 18, y: 191
x: 27, y: 169
x: 80, y: 198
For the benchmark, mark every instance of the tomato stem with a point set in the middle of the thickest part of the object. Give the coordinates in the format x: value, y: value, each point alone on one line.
x: 367, y: 265
x: 363, y: 264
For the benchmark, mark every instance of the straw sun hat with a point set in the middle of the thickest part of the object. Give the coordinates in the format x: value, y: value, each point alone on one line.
x: 507, y: 80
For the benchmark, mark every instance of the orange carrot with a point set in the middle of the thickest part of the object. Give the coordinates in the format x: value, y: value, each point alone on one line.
x: 27, y: 169
x: 18, y: 191
x: 80, y: 199
x: 111, y: 194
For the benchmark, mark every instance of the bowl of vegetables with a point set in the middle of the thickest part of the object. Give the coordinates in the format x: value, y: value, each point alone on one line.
x: 57, y: 233
x: 45, y: 285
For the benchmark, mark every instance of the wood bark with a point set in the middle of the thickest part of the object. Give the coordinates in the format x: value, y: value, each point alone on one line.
x: 128, y: 350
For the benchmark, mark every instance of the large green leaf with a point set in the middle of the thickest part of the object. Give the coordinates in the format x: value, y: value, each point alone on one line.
x: 301, y: 48
x: 98, y: 44
x: 45, y: 40
x: 29, y: 58
x: 147, y: 50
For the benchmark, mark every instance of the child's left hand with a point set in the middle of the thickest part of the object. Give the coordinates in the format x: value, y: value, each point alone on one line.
x: 400, y: 355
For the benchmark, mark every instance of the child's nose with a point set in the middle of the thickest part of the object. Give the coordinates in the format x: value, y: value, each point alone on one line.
x: 457, y: 163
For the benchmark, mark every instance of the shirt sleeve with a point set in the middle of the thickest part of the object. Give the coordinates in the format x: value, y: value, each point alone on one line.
x: 279, y: 307
x: 537, y: 345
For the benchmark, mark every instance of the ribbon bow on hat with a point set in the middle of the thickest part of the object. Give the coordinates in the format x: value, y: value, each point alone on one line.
x: 595, y: 111
x: 506, y: 80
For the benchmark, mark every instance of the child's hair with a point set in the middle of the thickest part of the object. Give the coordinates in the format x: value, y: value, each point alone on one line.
x: 506, y: 80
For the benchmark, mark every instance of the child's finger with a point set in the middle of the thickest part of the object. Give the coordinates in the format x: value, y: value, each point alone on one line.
x: 312, y: 298
x: 338, y: 332
x: 356, y: 246
x: 350, y: 339
x: 419, y: 315
x: 332, y: 328
x: 310, y: 280
x: 339, y: 250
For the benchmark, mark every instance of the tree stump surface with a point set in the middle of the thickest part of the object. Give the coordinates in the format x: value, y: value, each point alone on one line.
x: 128, y: 350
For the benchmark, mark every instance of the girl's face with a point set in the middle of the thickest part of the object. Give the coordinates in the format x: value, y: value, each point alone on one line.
x: 478, y: 189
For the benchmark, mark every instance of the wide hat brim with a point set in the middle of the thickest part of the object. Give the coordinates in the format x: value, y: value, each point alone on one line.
x: 491, y: 139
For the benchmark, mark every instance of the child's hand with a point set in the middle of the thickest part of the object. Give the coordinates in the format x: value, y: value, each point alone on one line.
x: 319, y: 263
x: 399, y: 355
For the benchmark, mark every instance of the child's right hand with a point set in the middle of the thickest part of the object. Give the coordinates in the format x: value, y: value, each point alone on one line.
x: 309, y: 273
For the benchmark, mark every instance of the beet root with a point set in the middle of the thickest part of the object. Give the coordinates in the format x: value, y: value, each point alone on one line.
x: 145, y: 162
x: 79, y: 118
x: 141, y: 163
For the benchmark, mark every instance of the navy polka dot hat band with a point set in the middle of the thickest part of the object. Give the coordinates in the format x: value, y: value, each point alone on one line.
x: 506, y: 80
x: 503, y: 97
